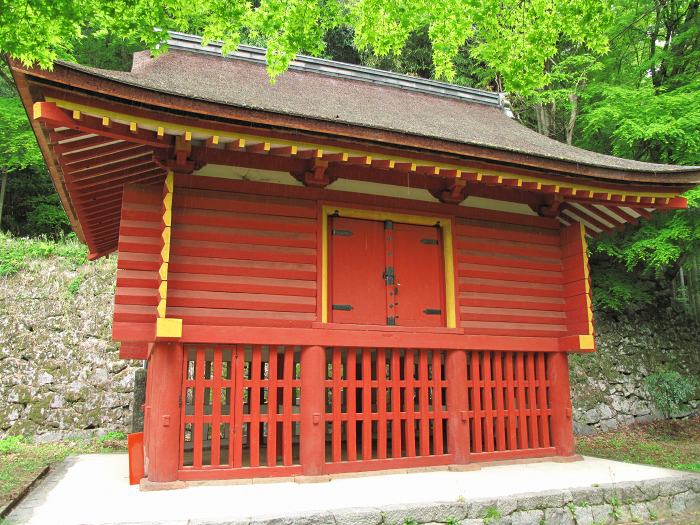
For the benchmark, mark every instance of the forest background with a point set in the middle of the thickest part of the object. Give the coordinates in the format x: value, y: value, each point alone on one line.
x: 620, y: 77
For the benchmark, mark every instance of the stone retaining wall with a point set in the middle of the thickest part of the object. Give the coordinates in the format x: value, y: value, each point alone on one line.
x: 61, y: 376
x: 605, y: 504
x: 60, y: 373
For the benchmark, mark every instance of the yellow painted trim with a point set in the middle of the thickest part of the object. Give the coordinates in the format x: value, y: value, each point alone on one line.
x: 160, y: 131
x: 178, y: 129
x: 188, y: 136
x: 161, y: 308
x: 105, y: 121
x: 163, y: 290
x: 168, y: 201
x: 170, y: 182
x: 170, y: 327
x: 324, y: 267
x: 586, y: 342
x: 133, y: 127
x: 379, y: 215
x: 76, y: 114
x: 36, y: 110
x: 163, y: 271
x: 168, y: 217
x: 215, y: 139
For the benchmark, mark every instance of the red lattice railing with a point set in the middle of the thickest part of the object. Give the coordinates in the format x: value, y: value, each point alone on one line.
x: 508, y: 401
x: 242, y: 408
x: 384, y: 404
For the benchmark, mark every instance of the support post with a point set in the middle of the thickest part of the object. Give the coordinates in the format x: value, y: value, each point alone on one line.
x: 312, y: 443
x: 560, y: 399
x: 163, y: 411
x: 457, y: 421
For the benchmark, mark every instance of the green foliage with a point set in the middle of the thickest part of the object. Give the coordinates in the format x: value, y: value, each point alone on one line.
x: 514, y: 39
x: 16, y: 252
x: 692, y: 467
x: 18, y: 147
x: 11, y: 444
x: 617, y: 290
x: 659, y: 242
x: 75, y: 284
x: 668, y: 390
x: 615, y: 505
x: 112, y: 436
x: 491, y: 515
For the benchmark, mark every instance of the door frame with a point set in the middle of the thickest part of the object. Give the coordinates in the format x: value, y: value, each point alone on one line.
x: 444, y: 222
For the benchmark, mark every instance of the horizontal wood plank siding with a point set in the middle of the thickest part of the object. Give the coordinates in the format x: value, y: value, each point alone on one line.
x: 136, y: 293
x: 509, y: 277
x: 242, y: 259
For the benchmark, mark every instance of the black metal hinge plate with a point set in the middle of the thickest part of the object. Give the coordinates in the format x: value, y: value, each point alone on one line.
x: 432, y: 311
x: 428, y: 241
x: 344, y: 307
x: 342, y: 233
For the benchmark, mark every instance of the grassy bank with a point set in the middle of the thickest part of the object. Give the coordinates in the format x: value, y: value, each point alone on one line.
x: 21, y: 461
x: 670, y: 444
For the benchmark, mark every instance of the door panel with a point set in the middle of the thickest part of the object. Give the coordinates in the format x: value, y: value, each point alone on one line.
x: 419, y: 269
x: 356, y: 269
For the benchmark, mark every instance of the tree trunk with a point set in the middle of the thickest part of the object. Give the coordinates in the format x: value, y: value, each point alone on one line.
x: 3, y: 186
x: 573, y: 98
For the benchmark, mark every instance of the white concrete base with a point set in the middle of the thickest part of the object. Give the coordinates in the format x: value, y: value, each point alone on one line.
x: 95, y: 489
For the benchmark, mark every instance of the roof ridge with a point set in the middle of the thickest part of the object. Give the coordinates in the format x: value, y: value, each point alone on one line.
x: 193, y: 43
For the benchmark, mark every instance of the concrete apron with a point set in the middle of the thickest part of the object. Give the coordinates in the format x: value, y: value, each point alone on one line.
x: 94, y: 489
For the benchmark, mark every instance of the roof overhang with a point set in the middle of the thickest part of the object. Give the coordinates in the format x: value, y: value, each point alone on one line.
x: 98, y: 135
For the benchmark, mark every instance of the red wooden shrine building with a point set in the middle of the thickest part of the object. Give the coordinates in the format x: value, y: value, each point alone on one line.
x: 349, y: 270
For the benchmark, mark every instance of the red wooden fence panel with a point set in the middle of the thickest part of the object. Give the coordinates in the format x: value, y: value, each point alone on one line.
x: 509, y: 411
x: 384, y: 408
x: 240, y: 411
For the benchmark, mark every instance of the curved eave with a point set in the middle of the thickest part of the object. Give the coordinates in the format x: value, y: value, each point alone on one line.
x: 92, y: 82
x: 98, y: 135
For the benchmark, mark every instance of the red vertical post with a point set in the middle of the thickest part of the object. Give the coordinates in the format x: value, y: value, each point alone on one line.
x: 456, y: 400
x: 560, y: 399
x: 164, y: 411
x: 312, y: 446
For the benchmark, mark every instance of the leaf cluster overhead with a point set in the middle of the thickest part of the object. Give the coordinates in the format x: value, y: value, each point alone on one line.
x: 512, y: 37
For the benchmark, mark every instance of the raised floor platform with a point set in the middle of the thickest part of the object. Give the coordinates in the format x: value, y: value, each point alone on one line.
x: 94, y: 489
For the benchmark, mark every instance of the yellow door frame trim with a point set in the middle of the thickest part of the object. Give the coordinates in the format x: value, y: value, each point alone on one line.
x: 379, y: 215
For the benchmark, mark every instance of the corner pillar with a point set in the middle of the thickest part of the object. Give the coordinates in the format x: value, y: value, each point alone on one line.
x: 312, y: 442
x: 457, y: 422
x: 163, y: 411
x: 560, y: 399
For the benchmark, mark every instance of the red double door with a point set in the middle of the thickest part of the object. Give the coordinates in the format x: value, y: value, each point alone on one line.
x: 386, y: 273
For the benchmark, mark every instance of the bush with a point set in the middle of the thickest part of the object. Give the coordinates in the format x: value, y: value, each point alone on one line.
x: 669, y: 390
x: 11, y: 444
x: 16, y: 251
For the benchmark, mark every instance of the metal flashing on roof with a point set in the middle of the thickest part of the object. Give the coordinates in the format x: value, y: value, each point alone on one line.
x: 184, y: 41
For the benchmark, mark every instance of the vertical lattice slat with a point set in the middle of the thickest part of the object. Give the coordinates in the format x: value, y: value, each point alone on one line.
x: 337, y: 371
x: 423, y: 403
x: 487, y: 398
x: 254, y: 404
x: 476, y: 384
x: 409, y: 404
x: 396, y: 441
x: 532, y: 402
x: 510, y: 401
x: 542, y: 400
x: 381, y: 404
x: 500, y: 411
x: 366, y: 404
x: 272, y: 403
x: 437, y: 403
x: 351, y: 393
x: 288, y: 392
x: 216, y: 408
